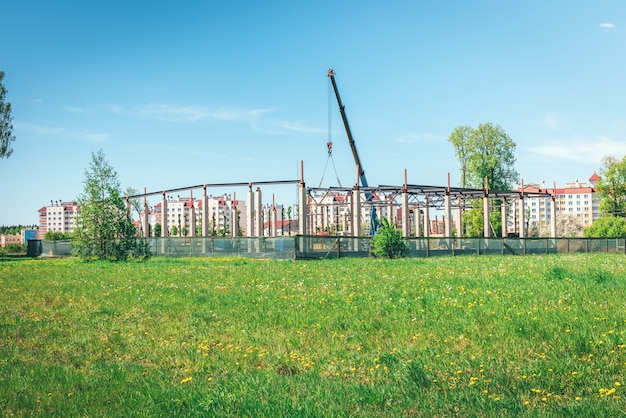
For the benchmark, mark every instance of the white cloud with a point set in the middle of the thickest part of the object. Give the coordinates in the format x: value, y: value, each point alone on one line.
x: 607, y: 25
x: 178, y: 113
x: 171, y: 112
x: 74, y: 109
x: 551, y: 122
x: 582, y: 151
x: 62, y: 132
x: 188, y: 113
x: 298, y: 127
x: 413, y: 137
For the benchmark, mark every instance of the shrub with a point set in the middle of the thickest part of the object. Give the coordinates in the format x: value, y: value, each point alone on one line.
x: 388, y: 242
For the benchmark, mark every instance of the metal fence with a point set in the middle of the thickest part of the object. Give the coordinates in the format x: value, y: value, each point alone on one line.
x: 307, y: 247
x: 253, y: 247
x: 316, y: 247
x: 281, y: 248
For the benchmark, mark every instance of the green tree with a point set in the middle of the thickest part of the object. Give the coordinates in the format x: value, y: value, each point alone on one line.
x: 104, y: 227
x: 6, y: 122
x: 485, y: 153
x: 460, y: 140
x: 491, y: 155
x: 213, y: 227
x: 56, y: 235
x: 606, y: 227
x: 136, y: 205
x: 611, y: 187
x: 388, y: 241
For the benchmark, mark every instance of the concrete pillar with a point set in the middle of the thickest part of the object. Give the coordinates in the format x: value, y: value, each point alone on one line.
x: 274, y: 217
x: 145, y: 218
x: 390, y: 216
x: 448, y: 215
x: 356, y: 211
x: 426, y: 219
x: 250, y: 226
x: 522, y: 217
x: 504, y: 228
x: 259, y: 212
x: 192, y: 217
x: 405, y: 214
x: 164, y: 227
x: 459, y: 218
x: 302, y: 209
x: 146, y: 221
x: 553, y: 213
x: 486, y: 224
x: 234, y: 217
x: 418, y: 220
x: 205, y: 214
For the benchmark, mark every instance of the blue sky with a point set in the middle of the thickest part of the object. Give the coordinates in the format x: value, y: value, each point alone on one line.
x: 185, y: 93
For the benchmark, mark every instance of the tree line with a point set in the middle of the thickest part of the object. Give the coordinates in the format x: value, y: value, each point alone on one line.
x: 14, y: 229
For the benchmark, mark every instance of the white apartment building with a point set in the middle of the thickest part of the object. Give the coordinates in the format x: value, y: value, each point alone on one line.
x: 576, y: 199
x: 59, y: 217
x: 182, y: 212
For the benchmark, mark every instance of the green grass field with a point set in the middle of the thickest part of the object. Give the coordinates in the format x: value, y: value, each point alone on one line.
x: 466, y: 336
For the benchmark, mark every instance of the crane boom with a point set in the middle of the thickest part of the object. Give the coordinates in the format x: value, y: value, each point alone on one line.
x: 342, y: 110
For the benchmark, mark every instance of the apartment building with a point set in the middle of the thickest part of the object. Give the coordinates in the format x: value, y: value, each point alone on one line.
x: 59, y: 216
x: 575, y: 199
x: 183, y: 212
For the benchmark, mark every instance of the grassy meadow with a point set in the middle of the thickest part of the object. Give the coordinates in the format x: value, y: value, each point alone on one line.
x: 466, y: 336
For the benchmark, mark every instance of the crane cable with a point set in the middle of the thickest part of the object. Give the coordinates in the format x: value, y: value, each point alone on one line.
x: 329, y: 144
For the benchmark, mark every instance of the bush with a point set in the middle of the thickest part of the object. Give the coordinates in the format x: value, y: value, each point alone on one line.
x: 388, y: 242
x: 606, y: 227
x: 13, y: 249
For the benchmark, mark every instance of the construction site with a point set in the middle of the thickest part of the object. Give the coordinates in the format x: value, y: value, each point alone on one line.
x: 339, y: 221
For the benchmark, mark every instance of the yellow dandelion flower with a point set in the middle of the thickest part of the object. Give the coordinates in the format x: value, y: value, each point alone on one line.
x: 186, y: 379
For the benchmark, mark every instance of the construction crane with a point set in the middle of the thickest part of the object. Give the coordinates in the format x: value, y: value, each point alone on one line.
x: 363, y: 180
x: 355, y: 154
